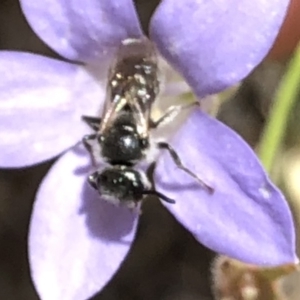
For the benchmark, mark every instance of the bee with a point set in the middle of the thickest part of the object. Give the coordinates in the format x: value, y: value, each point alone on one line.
x: 122, y: 136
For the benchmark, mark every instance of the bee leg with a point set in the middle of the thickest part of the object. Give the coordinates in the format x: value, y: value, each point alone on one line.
x: 159, y: 195
x: 179, y: 164
x: 87, y: 140
x: 170, y: 114
x: 93, y: 122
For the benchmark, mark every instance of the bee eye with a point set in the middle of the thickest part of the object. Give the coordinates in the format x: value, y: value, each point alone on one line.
x: 93, y: 180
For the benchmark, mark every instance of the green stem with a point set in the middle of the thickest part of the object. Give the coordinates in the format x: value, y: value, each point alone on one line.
x: 276, y: 124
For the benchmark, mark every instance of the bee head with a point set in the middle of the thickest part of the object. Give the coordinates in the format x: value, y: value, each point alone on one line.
x: 119, y: 184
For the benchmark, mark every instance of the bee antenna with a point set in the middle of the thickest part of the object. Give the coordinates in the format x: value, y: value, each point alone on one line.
x: 160, y: 195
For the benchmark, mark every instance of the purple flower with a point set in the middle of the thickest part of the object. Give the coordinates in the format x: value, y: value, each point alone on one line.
x: 77, y: 242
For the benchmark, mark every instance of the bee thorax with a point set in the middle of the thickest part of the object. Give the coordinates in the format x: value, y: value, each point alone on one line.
x: 121, y: 143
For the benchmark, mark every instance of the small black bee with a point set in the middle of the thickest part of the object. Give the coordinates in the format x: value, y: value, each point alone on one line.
x: 122, y: 136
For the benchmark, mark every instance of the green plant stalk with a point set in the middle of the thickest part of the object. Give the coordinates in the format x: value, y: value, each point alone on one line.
x: 276, y: 124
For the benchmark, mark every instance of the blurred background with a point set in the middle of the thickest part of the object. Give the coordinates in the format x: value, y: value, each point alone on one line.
x: 166, y: 262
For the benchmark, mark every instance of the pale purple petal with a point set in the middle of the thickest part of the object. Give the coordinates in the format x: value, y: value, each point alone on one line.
x: 41, y: 104
x: 77, y: 241
x: 214, y: 44
x: 82, y: 31
x: 246, y: 217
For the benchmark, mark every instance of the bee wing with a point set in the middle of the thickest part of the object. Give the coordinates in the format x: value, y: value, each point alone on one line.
x: 112, y: 109
x: 119, y: 93
x: 141, y: 115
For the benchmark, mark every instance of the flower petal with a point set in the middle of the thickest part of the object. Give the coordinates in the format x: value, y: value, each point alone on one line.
x: 216, y: 43
x: 246, y: 217
x: 80, y: 31
x: 41, y: 103
x: 77, y: 241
